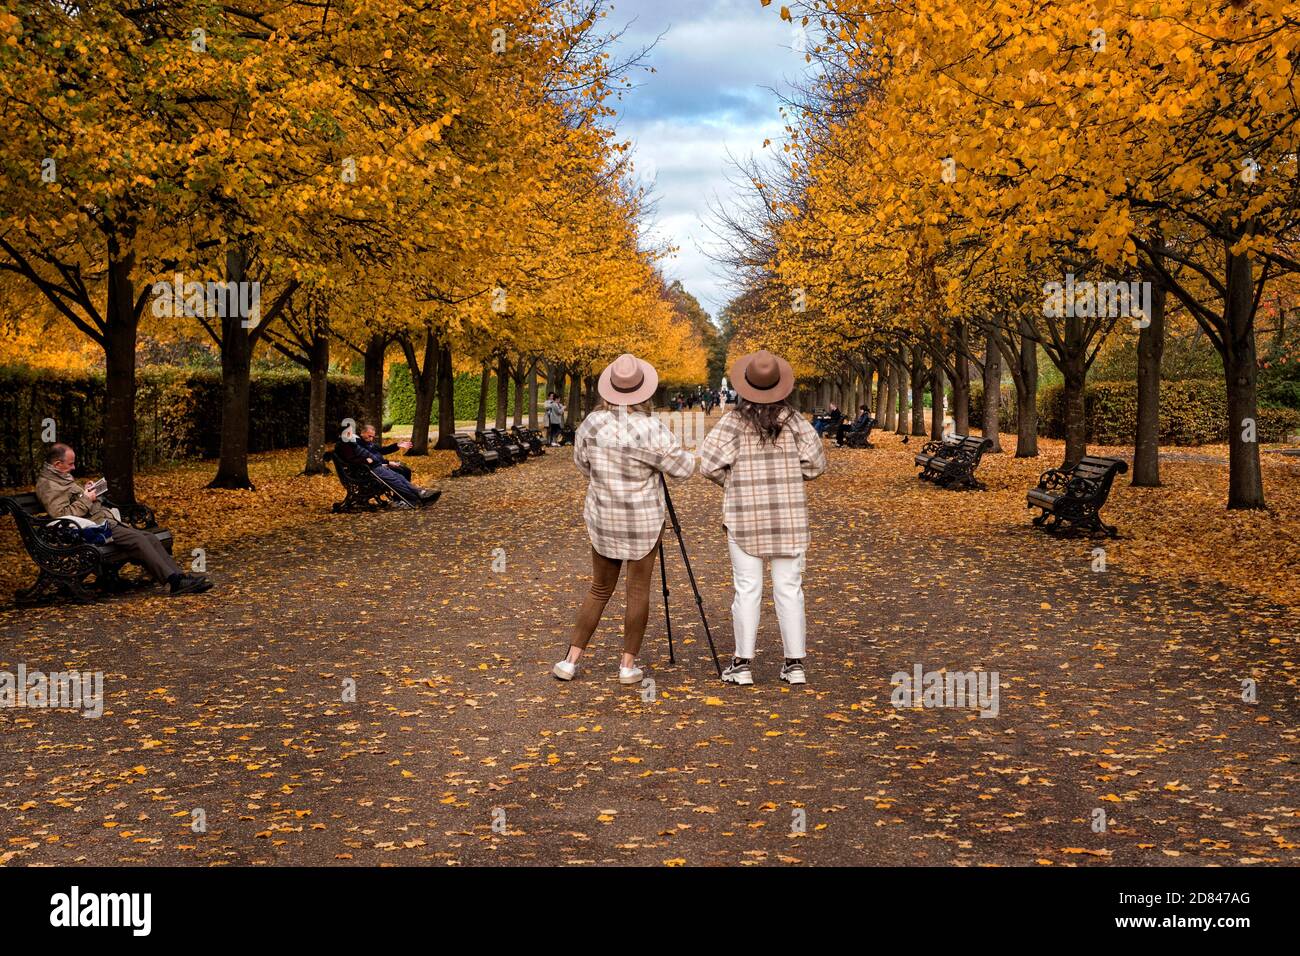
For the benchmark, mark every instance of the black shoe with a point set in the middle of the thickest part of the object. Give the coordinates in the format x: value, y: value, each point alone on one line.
x: 429, y: 495
x: 191, y: 584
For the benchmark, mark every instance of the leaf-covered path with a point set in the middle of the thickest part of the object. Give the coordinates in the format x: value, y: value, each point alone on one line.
x: 1119, y: 691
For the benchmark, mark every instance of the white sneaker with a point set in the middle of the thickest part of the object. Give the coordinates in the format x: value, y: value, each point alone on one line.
x: 792, y: 672
x: 564, y: 670
x: 629, y: 675
x: 738, y: 673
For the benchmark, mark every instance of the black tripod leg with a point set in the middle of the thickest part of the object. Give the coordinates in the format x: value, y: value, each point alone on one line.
x: 699, y: 602
x: 668, y: 623
x: 699, y: 599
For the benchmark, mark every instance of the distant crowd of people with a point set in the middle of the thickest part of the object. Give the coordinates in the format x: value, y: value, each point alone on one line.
x: 706, y: 398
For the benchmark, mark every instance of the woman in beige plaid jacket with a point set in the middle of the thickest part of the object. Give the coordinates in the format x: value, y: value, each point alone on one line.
x: 622, y: 448
x: 762, y: 453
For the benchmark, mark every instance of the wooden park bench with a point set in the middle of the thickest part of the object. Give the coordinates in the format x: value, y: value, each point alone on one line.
x: 508, y: 450
x: 474, y: 459
x: 65, y: 560
x: 860, y: 437
x: 363, y: 491
x: 532, y: 440
x: 1073, y: 496
x: 951, y: 463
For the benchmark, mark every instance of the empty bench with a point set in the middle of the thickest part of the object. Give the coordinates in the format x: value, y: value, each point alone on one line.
x: 64, y: 559
x: 509, y: 451
x: 474, y: 459
x: 530, y: 439
x: 1071, y: 498
x: 951, y: 463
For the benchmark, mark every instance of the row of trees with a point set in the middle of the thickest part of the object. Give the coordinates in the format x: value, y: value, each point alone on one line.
x: 976, y: 184
x: 438, y: 181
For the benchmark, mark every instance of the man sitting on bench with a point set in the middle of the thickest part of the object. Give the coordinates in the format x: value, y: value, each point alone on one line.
x: 363, y: 450
x: 63, y: 498
x: 367, y: 438
x: 830, y: 422
x: 859, y: 423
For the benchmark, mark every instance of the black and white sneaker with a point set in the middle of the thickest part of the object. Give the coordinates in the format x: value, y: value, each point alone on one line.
x: 793, y: 673
x: 738, y: 672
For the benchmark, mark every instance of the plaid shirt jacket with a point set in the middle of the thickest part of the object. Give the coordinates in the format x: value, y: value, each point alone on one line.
x: 623, y: 455
x: 764, y: 507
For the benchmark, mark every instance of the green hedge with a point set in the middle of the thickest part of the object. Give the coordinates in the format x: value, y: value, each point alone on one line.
x: 177, y: 414
x: 1192, y: 412
x: 400, y: 401
x: 1006, y: 409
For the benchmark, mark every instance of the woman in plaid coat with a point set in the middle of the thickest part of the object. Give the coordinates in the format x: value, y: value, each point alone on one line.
x: 761, y: 454
x: 622, y: 448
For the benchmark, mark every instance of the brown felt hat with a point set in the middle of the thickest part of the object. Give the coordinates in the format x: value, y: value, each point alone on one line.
x: 627, y: 381
x: 762, y: 377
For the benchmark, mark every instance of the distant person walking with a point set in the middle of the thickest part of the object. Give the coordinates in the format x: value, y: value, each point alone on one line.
x: 761, y: 453
x: 622, y: 448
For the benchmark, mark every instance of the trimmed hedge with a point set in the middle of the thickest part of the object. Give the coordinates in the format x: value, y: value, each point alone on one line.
x: 1006, y: 408
x: 1192, y: 412
x: 400, y: 401
x: 177, y: 414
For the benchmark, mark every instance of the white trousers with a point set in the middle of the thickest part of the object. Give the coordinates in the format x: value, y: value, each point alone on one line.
x: 787, y: 594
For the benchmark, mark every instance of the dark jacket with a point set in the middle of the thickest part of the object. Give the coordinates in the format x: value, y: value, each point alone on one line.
x: 357, y: 453
x: 377, y: 451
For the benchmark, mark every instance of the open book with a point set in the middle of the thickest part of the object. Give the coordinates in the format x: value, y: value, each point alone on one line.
x: 98, y: 487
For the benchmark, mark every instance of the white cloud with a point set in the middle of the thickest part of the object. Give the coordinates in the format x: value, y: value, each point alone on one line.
x: 710, y: 98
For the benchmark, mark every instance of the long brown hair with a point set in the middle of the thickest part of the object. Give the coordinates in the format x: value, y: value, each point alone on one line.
x: 766, y: 418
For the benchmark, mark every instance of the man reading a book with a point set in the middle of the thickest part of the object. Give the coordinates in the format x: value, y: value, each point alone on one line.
x: 62, y: 497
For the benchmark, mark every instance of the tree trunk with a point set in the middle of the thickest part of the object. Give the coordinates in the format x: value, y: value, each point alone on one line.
x: 424, y: 379
x: 992, y: 391
x: 533, y: 418
x: 236, y: 370
x: 503, y: 390
x: 961, y: 384
x: 1076, y: 425
x: 484, y: 378
x: 119, y: 385
x: 889, y: 386
x: 1027, y: 393
x: 318, y: 364
x: 1151, y: 347
x: 574, y: 407
x: 936, y: 400
x: 1240, y: 369
x: 372, y: 388
x: 446, y: 399
x: 901, y: 388
x: 918, y: 391
x: 882, y: 394
x: 518, y: 377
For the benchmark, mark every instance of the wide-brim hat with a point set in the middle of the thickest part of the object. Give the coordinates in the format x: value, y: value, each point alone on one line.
x: 762, y: 377
x: 627, y: 381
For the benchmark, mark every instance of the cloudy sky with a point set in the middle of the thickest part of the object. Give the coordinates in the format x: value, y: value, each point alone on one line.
x: 716, y: 64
